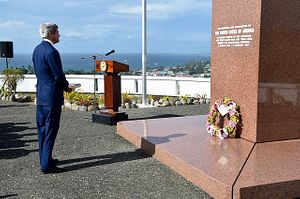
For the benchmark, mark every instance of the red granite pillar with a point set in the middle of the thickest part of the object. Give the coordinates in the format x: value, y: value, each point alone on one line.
x: 254, y: 58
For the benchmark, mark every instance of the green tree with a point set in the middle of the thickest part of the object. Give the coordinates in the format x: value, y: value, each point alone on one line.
x: 11, y: 77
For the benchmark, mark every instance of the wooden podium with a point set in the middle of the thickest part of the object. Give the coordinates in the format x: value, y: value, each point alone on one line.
x: 112, y: 92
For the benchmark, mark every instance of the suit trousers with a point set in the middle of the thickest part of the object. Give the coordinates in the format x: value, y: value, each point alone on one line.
x: 47, y: 119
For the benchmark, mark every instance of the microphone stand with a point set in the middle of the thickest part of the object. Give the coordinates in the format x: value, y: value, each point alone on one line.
x: 94, y: 73
x: 94, y: 58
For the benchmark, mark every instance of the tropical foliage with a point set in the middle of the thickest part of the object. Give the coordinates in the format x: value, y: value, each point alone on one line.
x: 11, y: 77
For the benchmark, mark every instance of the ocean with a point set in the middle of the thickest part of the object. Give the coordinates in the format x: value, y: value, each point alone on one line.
x: 134, y: 60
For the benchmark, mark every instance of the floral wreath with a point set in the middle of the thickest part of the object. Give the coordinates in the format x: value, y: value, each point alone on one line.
x: 223, y: 107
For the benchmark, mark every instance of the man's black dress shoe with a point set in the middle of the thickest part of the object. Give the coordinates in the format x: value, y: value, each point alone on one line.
x: 55, y: 161
x: 53, y: 170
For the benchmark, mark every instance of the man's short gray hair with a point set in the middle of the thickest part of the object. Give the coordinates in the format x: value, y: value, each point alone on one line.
x: 48, y: 28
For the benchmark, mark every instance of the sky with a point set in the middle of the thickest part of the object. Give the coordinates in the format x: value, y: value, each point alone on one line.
x: 97, y: 26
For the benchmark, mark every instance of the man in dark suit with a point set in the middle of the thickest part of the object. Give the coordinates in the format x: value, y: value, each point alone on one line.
x: 51, y: 83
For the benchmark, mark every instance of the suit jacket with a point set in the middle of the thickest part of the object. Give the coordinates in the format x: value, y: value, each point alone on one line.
x: 51, y: 81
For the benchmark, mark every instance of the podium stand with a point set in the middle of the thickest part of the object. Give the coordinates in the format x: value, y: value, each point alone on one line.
x: 112, y: 92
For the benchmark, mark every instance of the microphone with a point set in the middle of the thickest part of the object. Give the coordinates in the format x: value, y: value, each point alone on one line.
x: 92, y: 56
x: 111, y: 52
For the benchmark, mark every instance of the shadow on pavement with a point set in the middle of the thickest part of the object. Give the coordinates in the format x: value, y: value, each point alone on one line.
x: 12, y: 140
x: 157, y: 117
x: 14, y: 105
x: 8, y: 196
x: 148, y: 143
x: 93, y: 161
x: 15, y: 153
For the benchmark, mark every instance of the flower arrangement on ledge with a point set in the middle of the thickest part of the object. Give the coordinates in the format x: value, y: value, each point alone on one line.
x: 223, y: 107
x: 77, y: 100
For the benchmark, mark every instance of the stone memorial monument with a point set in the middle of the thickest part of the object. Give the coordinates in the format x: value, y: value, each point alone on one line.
x: 255, y: 57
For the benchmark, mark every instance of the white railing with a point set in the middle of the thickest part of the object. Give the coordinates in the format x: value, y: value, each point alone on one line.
x: 171, y: 86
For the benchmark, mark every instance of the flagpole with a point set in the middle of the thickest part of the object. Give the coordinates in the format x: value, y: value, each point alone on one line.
x: 144, y: 52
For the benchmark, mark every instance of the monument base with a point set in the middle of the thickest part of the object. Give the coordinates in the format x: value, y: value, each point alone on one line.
x: 230, y: 168
x: 110, y: 118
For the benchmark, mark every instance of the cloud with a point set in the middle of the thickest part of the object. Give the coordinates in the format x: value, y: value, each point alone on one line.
x: 90, y: 31
x: 101, y: 22
x: 72, y: 34
x: 67, y: 3
x: 102, y: 26
x: 10, y: 30
x: 125, y: 9
x: 196, y: 37
x: 162, y: 9
x: 170, y: 9
x: 12, y: 24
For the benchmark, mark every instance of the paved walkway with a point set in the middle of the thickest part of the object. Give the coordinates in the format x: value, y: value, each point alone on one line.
x: 98, y: 162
